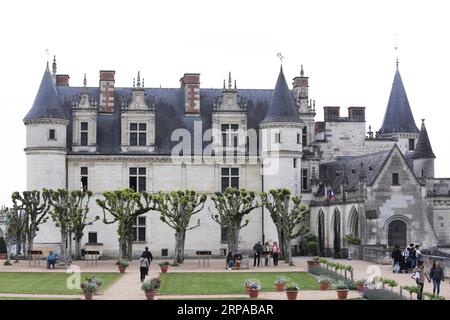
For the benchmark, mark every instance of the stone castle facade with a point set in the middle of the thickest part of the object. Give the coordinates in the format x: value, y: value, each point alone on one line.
x: 378, y: 186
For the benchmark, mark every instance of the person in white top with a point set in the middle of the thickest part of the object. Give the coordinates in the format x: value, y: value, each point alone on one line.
x: 143, y: 263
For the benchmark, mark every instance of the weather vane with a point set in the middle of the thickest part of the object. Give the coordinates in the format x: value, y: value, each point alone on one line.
x: 280, y: 56
x: 396, y: 48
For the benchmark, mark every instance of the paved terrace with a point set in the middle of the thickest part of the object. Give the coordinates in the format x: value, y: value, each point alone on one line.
x: 128, y: 286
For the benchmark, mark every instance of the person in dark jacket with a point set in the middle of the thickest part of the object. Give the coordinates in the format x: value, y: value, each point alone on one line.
x: 148, y: 255
x: 237, y: 257
x: 229, y: 261
x: 257, y: 249
x: 398, y: 258
x: 143, y: 266
x: 437, y: 275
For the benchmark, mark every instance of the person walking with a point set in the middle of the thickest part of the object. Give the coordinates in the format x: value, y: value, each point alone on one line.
x: 412, y: 257
x: 418, y: 253
x: 148, y: 255
x: 419, y: 275
x: 144, y: 265
x: 437, y: 275
x: 266, y: 250
x: 275, y: 253
x: 257, y: 249
x: 397, y: 257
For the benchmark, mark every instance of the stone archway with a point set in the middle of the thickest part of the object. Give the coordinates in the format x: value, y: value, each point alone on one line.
x: 336, y: 233
x: 353, y: 223
x: 321, y: 232
x: 397, y: 233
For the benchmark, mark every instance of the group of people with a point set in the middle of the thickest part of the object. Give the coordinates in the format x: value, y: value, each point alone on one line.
x: 267, y: 250
x: 407, y: 259
x: 234, y: 260
x: 144, y: 263
x: 411, y: 260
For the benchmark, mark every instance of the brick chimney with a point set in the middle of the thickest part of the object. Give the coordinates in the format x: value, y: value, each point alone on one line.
x: 106, y: 104
x: 191, y: 84
x: 357, y: 114
x: 62, y: 80
x: 331, y: 113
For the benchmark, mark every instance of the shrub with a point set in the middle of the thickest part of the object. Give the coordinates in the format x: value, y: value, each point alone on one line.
x: 433, y: 296
x: 7, y: 263
x: 324, y: 279
x: 320, y: 271
x: 88, y: 286
x: 313, y: 248
x: 339, y: 285
x: 381, y: 294
x: 360, y: 281
x: 164, y: 263
x: 281, y: 279
x: 175, y: 264
x: 292, y: 286
x: 253, y: 283
x: 152, y: 284
x: 411, y: 290
x: 122, y: 263
x: 351, y: 239
x: 390, y: 283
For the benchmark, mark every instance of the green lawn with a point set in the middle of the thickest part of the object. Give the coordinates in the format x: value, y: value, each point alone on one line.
x: 47, y: 282
x: 228, y: 282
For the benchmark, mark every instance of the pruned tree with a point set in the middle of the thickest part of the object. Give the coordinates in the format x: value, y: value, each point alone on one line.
x: 35, y: 208
x: 289, y: 216
x: 16, y: 223
x: 79, y: 217
x: 62, y: 205
x: 176, y: 209
x: 69, y: 212
x: 232, y: 206
x: 123, y: 206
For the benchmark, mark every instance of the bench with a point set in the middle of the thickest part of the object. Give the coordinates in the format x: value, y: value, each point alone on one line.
x: 91, y: 256
x: 35, y: 256
x: 245, y: 263
x: 203, y: 255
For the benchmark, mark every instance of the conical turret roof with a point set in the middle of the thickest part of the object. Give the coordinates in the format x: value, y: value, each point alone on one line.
x: 398, y: 116
x: 423, y: 146
x: 282, y: 107
x: 46, y: 104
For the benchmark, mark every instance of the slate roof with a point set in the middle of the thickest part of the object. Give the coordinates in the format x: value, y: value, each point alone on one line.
x: 333, y: 172
x: 47, y: 103
x: 282, y: 106
x: 169, y: 114
x: 398, y: 116
x: 423, y: 146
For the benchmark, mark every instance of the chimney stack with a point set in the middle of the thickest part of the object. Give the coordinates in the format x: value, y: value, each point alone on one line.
x: 301, y: 94
x: 62, y: 80
x: 106, y: 104
x: 191, y: 84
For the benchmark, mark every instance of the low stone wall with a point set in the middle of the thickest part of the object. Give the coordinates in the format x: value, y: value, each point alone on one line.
x: 377, y: 254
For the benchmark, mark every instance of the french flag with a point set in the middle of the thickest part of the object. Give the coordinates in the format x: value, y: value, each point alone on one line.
x: 330, y: 194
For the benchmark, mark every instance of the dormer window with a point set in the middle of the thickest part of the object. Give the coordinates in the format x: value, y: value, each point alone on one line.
x: 411, y: 145
x: 84, y: 134
x: 230, y: 135
x: 304, y: 136
x: 51, y: 134
x: 138, y: 134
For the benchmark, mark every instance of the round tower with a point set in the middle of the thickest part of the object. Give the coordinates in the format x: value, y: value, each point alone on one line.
x: 281, y: 147
x: 46, y: 144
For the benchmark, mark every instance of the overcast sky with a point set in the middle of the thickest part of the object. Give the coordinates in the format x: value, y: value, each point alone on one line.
x: 346, y: 48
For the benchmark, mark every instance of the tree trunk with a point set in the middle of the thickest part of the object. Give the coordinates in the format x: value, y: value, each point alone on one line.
x: 287, y: 245
x: 69, y: 256
x: 18, y: 247
x: 78, y: 248
x: 64, y: 246
x: 281, y: 245
x: 129, y: 255
x: 122, y: 247
x: 233, y: 240
x: 30, y: 237
x: 179, y: 246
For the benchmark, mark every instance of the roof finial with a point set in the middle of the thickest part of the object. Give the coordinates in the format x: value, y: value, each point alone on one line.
x: 229, y: 80
x: 280, y: 56
x: 134, y: 79
x: 235, y: 87
x: 224, y: 83
x: 423, y: 120
x: 142, y: 82
x: 54, y: 65
x: 84, y: 81
x: 396, y: 50
x: 138, y: 84
x: 301, y: 71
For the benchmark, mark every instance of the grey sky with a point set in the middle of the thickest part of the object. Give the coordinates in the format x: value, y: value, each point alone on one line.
x: 346, y: 47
